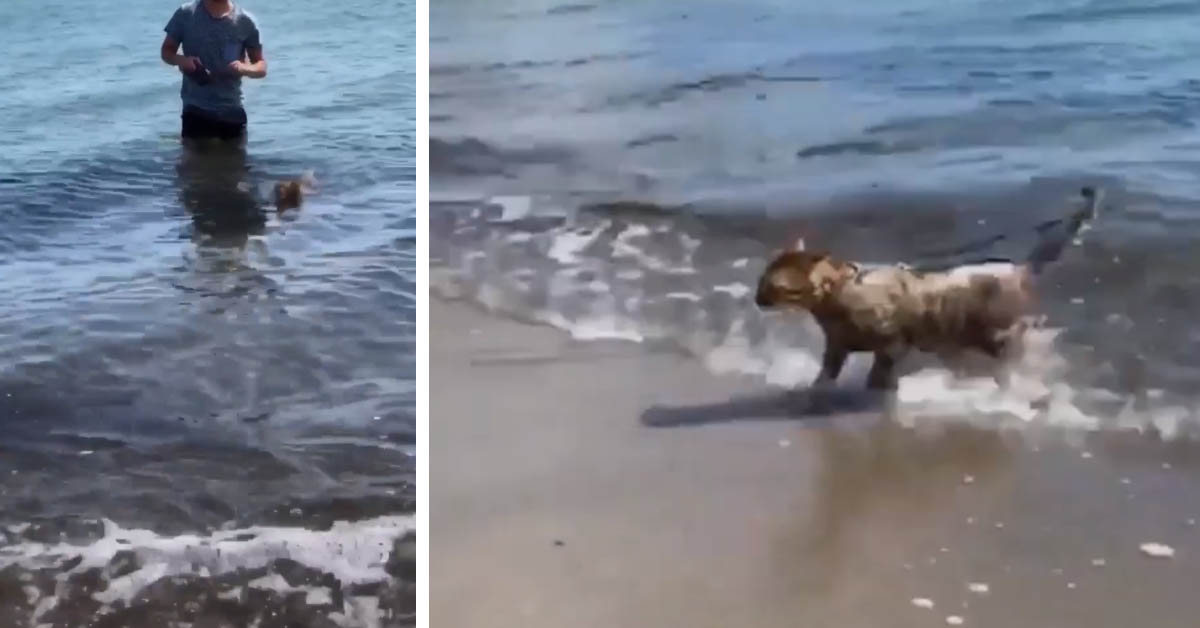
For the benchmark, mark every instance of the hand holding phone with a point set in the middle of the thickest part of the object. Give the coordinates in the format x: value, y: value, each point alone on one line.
x: 194, y: 68
x: 187, y: 65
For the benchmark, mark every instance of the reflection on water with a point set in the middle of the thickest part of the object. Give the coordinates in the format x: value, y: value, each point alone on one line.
x: 216, y: 189
x: 222, y: 198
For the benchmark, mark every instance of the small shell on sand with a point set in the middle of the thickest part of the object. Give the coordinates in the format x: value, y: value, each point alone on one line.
x: 954, y: 620
x: 968, y: 479
x: 1086, y: 454
x: 1157, y: 550
x: 922, y: 602
x: 977, y: 587
x: 1098, y: 562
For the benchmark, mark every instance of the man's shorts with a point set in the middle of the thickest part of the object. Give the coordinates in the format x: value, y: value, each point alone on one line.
x: 200, y: 124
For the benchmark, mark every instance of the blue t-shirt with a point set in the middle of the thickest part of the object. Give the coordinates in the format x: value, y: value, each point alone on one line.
x: 216, y: 42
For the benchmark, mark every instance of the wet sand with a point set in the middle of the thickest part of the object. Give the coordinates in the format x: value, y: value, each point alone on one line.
x: 597, y: 484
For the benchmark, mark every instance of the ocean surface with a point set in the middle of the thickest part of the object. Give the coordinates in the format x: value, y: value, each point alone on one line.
x: 624, y: 170
x: 207, y: 407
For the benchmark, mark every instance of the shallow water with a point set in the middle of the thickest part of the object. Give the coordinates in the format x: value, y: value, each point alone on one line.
x: 176, y: 356
x: 622, y: 170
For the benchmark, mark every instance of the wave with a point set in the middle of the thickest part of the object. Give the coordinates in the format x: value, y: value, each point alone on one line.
x: 647, y: 273
x: 713, y: 83
x: 450, y: 70
x: 352, y: 573
x: 1105, y: 11
x: 1081, y: 120
x: 471, y: 156
x: 856, y: 147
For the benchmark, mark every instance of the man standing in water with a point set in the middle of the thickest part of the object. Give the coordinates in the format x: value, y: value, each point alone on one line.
x: 220, y: 46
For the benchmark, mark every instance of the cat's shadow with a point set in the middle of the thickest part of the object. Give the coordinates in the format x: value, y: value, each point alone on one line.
x: 789, y: 405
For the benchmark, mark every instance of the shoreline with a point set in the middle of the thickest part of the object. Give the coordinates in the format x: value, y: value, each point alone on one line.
x: 553, y: 501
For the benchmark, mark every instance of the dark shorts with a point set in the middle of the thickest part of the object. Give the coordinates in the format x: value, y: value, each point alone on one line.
x: 200, y: 124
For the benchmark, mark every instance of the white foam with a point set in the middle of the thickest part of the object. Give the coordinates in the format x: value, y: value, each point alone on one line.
x: 567, y: 245
x: 43, y: 605
x: 991, y: 269
x: 519, y: 237
x: 353, y: 552
x: 594, y: 327
x: 978, y: 587
x: 313, y: 596
x: 683, y: 296
x: 633, y: 231
x: 788, y: 368
x: 361, y: 611
x: 513, y: 207
x: 735, y: 290
x: 623, y: 248
x: 1157, y: 550
x: 922, y: 602
x: 929, y: 393
x: 734, y: 356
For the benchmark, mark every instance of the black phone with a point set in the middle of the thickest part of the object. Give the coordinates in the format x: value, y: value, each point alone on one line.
x: 201, y: 74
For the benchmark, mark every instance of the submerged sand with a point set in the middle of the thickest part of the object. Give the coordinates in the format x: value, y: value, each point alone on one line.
x: 595, y: 484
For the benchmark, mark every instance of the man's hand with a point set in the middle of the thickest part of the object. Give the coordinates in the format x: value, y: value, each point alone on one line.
x: 255, y: 67
x: 188, y: 65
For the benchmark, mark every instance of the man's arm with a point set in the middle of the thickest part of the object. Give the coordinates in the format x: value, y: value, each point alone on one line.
x: 170, y: 55
x: 257, y: 68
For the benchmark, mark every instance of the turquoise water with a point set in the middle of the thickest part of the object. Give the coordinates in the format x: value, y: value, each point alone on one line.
x: 174, y: 354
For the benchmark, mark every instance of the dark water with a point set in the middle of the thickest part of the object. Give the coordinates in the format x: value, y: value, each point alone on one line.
x: 622, y: 169
x: 176, y: 358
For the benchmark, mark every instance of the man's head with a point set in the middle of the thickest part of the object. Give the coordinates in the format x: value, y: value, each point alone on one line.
x: 797, y: 278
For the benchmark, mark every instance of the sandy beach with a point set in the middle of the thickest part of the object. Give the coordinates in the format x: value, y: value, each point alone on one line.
x: 558, y: 499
